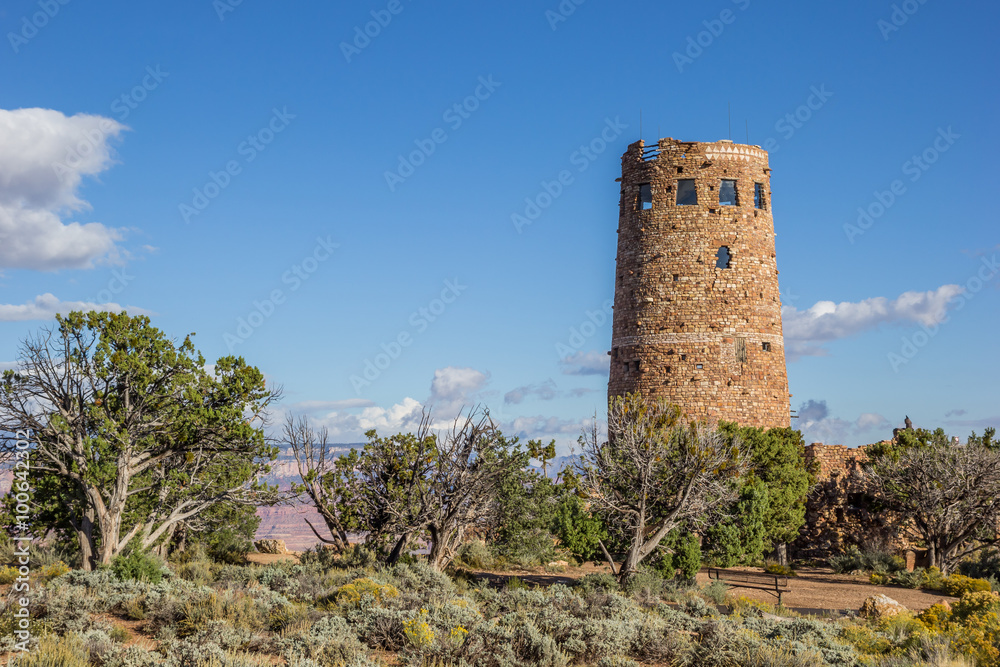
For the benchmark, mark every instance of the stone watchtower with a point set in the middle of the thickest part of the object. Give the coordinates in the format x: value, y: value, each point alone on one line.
x: 697, y: 316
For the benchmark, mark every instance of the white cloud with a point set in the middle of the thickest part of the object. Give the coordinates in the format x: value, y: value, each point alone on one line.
x: 546, y: 391
x: 529, y: 427
x: 47, y: 306
x: 805, y: 331
x: 345, y: 424
x: 593, y: 362
x: 44, y: 156
x: 8, y: 366
x: 330, y: 406
x: 817, y: 425
x: 454, y: 389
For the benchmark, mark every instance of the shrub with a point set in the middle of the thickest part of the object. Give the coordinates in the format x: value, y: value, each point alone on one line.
x: 119, y: 634
x: 533, y: 547
x: 50, y: 572
x: 138, y: 565
x: 935, y: 618
x: 475, y: 555
x: 774, y: 567
x: 679, y: 556
x: 55, y: 651
x: 598, y: 582
x: 976, y: 604
x: 932, y: 579
x: 351, y: 594
x: 985, y: 566
x: 419, y: 631
x: 645, y: 584
x: 855, y: 560
x: 716, y: 591
x: 8, y: 574
x: 321, y: 556
x: 229, y: 546
x: 577, y: 531
x: 958, y: 585
x: 135, y: 607
x: 199, y: 571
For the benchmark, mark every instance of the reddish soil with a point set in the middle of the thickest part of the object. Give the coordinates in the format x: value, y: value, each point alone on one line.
x: 812, y: 590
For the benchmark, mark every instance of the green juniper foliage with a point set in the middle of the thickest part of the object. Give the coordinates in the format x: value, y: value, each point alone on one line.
x: 130, y: 434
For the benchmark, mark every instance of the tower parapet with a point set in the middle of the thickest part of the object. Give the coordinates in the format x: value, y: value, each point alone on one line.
x: 697, y: 311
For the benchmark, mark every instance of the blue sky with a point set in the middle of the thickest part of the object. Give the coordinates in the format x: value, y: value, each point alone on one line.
x: 204, y: 161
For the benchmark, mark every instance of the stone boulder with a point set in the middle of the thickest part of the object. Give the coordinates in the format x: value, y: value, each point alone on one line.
x: 271, y: 546
x: 880, y: 606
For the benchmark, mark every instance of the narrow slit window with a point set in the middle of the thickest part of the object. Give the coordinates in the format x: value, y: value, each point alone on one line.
x: 758, y: 195
x: 636, y: 366
x: 723, y: 258
x: 625, y: 367
x: 687, y: 194
x: 727, y: 193
x: 645, y: 197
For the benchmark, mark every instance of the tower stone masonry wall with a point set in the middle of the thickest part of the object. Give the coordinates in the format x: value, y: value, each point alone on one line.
x: 707, y: 339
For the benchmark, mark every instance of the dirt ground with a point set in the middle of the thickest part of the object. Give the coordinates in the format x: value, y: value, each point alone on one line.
x: 814, y: 589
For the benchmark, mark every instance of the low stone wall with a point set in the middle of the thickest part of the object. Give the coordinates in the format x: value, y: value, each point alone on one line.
x: 839, y: 512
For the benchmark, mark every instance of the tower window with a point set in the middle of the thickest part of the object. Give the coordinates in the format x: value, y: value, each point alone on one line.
x: 645, y: 197
x: 723, y: 258
x: 687, y: 194
x: 741, y: 350
x: 636, y: 363
x: 625, y: 367
x: 766, y: 347
x: 677, y: 277
x: 727, y: 193
x: 684, y: 357
x: 699, y: 366
x: 758, y: 195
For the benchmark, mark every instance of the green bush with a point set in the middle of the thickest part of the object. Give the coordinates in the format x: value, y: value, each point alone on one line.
x: 986, y: 565
x: 601, y: 582
x: 138, y: 565
x: 679, y: 556
x: 229, y: 546
x: 577, y: 531
x: 715, y: 591
x: 475, y: 555
x: 855, y: 560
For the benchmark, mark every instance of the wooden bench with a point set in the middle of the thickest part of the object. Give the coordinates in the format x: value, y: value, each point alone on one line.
x: 776, y: 584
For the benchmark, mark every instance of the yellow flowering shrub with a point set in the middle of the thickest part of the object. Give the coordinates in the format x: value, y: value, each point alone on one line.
x: 419, y: 631
x: 351, y: 594
x: 935, y: 618
x: 8, y: 574
x: 977, y: 603
x: 958, y: 585
x: 978, y: 637
x: 458, y: 635
x: 50, y: 572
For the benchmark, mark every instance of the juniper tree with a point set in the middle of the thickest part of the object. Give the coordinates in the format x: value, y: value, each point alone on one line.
x: 653, y: 474
x: 130, y: 434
